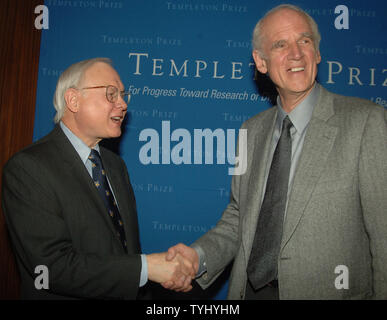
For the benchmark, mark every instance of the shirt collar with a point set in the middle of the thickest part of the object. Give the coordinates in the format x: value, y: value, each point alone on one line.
x: 82, y: 149
x: 302, y: 113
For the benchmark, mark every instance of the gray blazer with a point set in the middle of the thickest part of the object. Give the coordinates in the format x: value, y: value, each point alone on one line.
x: 56, y: 218
x: 337, y: 209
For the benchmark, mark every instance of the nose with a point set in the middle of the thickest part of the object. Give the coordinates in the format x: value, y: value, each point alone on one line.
x: 121, y: 103
x: 295, y: 52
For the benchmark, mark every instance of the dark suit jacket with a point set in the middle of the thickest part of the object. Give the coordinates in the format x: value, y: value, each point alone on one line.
x: 56, y: 218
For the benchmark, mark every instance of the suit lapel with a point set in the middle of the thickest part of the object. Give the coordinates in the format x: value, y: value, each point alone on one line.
x: 318, y: 143
x: 260, y: 147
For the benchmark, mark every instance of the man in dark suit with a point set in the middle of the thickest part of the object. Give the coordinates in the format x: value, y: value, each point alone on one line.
x: 69, y: 204
x: 308, y: 219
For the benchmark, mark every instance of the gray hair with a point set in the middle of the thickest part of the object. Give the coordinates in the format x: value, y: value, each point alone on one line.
x: 257, y: 34
x: 70, y: 78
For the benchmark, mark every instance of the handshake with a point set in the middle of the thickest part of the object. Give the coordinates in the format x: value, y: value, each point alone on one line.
x: 174, y: 269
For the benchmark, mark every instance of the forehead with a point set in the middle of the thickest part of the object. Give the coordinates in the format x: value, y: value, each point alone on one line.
x: 283, y: 22
x: 101, y: 74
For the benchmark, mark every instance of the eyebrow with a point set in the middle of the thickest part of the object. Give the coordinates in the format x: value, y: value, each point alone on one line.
x: 307, y: 35
x: 302, y: 35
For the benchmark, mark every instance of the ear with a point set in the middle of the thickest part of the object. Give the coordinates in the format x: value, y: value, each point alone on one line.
x: 260, y: 63
x: 318, y: 57
x: 71, y: 97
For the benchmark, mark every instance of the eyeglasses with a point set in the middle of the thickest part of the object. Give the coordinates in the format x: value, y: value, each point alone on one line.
x: 112, y: 93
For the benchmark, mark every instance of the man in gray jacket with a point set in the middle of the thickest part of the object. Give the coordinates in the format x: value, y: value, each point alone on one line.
x: 308, y: 219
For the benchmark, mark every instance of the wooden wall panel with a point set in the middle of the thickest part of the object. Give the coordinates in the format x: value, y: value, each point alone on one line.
x: 19, y: 54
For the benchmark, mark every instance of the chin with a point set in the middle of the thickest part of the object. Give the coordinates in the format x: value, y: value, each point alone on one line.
x: 112, y: 135
x: 303, y: 88
x: 116, y: 135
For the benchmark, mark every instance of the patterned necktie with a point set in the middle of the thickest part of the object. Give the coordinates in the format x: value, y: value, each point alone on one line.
x: 263, y: 261
x: 106, y: 194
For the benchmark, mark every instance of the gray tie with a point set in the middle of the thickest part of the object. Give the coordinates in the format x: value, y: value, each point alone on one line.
x: 262, y: 266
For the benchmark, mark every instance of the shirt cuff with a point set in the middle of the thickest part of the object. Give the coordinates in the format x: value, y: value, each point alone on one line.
x: 144, y: 271
x: 202, y: 260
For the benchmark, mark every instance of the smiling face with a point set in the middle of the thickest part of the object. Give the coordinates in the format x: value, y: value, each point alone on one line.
x: 90, y: 115
x: 290, y: 57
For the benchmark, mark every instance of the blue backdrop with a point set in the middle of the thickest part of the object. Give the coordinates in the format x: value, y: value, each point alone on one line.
x: 179, y: 59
